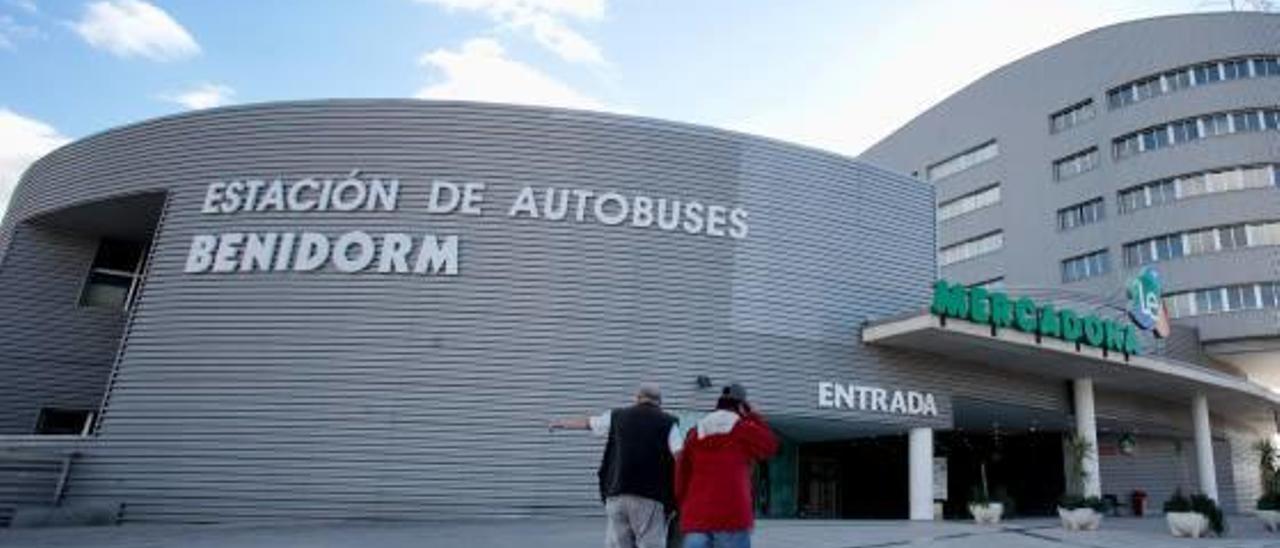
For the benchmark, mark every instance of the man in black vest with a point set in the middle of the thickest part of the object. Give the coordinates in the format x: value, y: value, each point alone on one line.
x: 636, y: 473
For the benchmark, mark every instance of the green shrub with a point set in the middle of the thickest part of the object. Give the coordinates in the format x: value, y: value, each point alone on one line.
x: 1073, y: 502
x: 1178, y: 502
x: 1210, y: 509
x: 1269, y: 501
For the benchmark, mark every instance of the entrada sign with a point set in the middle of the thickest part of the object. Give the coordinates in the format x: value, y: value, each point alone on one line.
x: 835, y: 395
x: 998, y: 309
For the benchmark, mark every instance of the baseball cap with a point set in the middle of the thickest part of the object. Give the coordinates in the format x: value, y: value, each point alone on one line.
x: 735, y: 391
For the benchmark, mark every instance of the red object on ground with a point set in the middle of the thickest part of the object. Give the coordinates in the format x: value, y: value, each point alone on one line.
x: 1138, y: 503
x: 713, y: 475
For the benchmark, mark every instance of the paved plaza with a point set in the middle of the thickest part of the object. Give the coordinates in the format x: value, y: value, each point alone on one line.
x: 1245, y: 531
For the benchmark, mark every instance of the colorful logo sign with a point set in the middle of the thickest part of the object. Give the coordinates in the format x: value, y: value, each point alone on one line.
x: 1146, y: 306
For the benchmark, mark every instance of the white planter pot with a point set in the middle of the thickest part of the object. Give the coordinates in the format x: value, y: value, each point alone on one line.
x: 1080, y: 519
x: 987, y: 514
x: 1270, y: 518
x: 1187, y: 524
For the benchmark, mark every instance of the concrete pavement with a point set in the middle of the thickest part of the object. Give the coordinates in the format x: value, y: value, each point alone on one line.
x: 1245, y: 532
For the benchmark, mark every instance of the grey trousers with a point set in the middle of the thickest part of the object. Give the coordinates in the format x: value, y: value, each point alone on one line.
x: 634, y: 522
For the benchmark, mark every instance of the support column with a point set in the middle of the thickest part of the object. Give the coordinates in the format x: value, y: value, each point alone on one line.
x: 1204, y: 446
x: 1087, y: 430
x: 920, y: 473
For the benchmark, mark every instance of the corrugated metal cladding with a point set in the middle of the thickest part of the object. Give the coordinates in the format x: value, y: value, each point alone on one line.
x: 321, y: 395
x: 53, y: 352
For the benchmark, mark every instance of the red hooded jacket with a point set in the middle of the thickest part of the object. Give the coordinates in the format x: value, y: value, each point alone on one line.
x: 713, y: 472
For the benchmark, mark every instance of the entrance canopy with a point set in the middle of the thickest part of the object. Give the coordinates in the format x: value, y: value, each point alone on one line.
x: 1009, y: 349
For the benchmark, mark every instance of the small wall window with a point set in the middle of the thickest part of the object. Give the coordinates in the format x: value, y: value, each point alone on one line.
x: 993, y: 284
x: 1086, y: 266
x: 968, y: 249
x: 973, y: 201
x: 963, y: 161
x: 1075, y: 164
x: 114, y: 275
x: 1081, y: 214
x: 64, y: 422
x: 1071, y: 116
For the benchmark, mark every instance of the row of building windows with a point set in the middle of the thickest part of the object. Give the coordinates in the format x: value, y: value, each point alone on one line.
x: 972, y: 201
x: 1191, y: 76
x: 1081, y: 214
x: 1191, y: 129
x: 1232, y: 298
x: 1071, y: 116
x: 968, y: 249
x: 1075, y: 164
x: 1197, y: 184
x: 1086, y: 266
x: 963, y: 161
x: 1199, y: 242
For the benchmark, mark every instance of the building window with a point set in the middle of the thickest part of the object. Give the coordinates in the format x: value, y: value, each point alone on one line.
x: 968, y: 249
x: 972, y: 201
x: 1200, y: 242
x: 1075, y: 164
x: 114, y: 275
x: 1086, y: 266
x: 1082, y: 214
x: 1190, y: 129
x: 963, y: 161
x: 64, y: 422
x: 993, y: 284
x: 1191, y: 76
x: 1197, y: 184
x: 1071, y: 116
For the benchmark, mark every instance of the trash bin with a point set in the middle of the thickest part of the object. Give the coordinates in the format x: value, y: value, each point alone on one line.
x: 1138, y: 502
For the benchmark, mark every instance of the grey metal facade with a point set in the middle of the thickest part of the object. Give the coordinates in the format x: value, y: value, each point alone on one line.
x: 328, y: 395
x: 1013, y: 106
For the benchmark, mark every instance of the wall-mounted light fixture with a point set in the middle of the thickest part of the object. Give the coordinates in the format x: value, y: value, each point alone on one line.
x: 704, y: 382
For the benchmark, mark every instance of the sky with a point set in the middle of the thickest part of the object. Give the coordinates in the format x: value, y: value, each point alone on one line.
x: 834, y: 74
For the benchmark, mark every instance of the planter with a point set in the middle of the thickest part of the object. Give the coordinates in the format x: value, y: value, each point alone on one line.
x: 986, y: 514
x: 1187, y: 524
x: 1080, y: 519
x: 1270, y: 518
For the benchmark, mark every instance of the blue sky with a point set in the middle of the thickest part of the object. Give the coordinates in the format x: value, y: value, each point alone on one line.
x: 837, y: 74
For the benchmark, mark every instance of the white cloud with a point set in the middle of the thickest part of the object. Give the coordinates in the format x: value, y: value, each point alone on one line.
x: 862, y: 95
x: 133, y: 28
x: 481, y: 71
x: 28, y: 6
x: 202, y: 96
x: 546, y: 20
x: 11, y: 31
x: 24, y: 140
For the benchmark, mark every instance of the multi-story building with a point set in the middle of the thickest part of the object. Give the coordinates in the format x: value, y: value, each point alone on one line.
x: 1149, y: 143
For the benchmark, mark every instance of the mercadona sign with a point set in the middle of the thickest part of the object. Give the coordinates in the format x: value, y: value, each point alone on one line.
x: 999, y: 310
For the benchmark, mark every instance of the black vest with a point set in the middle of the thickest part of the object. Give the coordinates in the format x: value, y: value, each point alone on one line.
x: 637, y: 460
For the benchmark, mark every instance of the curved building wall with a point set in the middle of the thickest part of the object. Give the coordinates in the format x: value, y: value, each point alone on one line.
x: 325, y: 394
x: 1014, y: 107
x: 322, y: 394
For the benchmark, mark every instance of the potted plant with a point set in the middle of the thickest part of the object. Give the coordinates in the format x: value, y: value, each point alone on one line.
x: 1193, y: 517
x: 1079, y: 513
x: 1268, y: 466
x: 981, y: 507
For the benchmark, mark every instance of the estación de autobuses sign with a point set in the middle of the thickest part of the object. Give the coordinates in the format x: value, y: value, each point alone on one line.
x: 999, y: 310
x: 402, y: 252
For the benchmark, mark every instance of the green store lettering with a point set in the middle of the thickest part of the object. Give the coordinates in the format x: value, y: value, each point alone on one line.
x: 998, y: 309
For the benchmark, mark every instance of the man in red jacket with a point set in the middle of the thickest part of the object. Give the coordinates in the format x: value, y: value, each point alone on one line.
x: 713, y: 473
